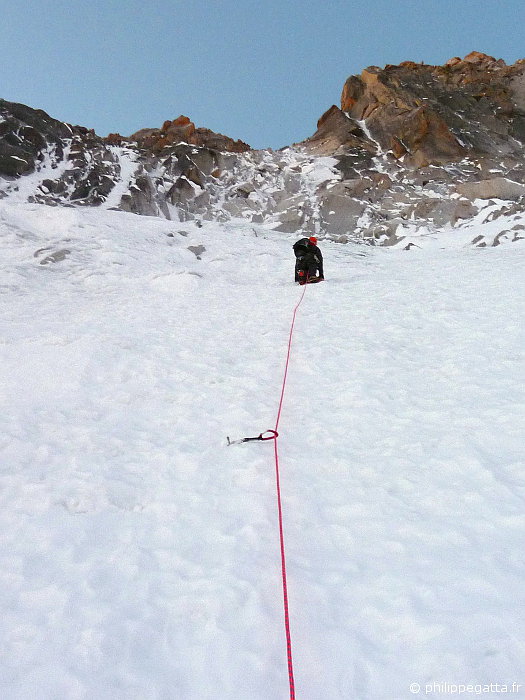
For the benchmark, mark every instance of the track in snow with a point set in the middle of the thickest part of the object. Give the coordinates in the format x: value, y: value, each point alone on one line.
x: 139, y: 554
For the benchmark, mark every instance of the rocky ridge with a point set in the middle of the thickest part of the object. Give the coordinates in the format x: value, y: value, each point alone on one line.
x: 411, y: 148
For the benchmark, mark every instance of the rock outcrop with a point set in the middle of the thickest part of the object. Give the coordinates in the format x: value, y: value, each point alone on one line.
x: 412, y: 147
x: 25, y: 134
x: 335, y: 129
x: 438, y: 114
x: 182, y: 130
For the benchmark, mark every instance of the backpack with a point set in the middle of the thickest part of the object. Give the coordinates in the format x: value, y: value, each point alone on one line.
x: 301, y: 247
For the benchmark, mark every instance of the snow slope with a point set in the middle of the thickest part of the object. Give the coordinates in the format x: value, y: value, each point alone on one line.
x: 139, y: 556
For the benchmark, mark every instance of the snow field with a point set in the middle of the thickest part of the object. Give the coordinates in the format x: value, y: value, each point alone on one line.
x: 139, y: 556
x: 412, y: 504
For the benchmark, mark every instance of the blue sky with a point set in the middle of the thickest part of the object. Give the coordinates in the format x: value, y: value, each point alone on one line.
x: 263, y: 72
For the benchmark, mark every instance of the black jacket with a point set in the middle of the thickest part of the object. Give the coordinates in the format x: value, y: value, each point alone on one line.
x: 308, y: 253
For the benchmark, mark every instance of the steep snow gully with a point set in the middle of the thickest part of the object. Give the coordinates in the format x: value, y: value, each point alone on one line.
x: 139, y: 555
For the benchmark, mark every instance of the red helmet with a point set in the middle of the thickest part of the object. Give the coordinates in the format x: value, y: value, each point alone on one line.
x: 313, y: 240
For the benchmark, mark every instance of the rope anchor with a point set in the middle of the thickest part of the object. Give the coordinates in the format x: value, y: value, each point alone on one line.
x: 270, y: 435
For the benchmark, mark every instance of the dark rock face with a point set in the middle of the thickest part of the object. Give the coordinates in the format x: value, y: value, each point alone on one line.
x: 24, y: 134
x: 30, y: 140
x: 93, y: 170
x: 87, y: 167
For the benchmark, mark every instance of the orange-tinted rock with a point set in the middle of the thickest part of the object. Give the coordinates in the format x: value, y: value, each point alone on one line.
x: 477, y: 57
x: 423, y: 112
x: 114, y: 140
x: 352, y: 90
x: 397, y: 147
x: 181, y: 121
x: 183, y: 130
x: 219, y: 142
x: 335, y: 129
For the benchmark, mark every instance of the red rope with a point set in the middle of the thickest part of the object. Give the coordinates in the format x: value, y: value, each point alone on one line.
x: 280, y: 510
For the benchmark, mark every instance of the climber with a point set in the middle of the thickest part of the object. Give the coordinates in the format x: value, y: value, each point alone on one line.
x: 309, y: 261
